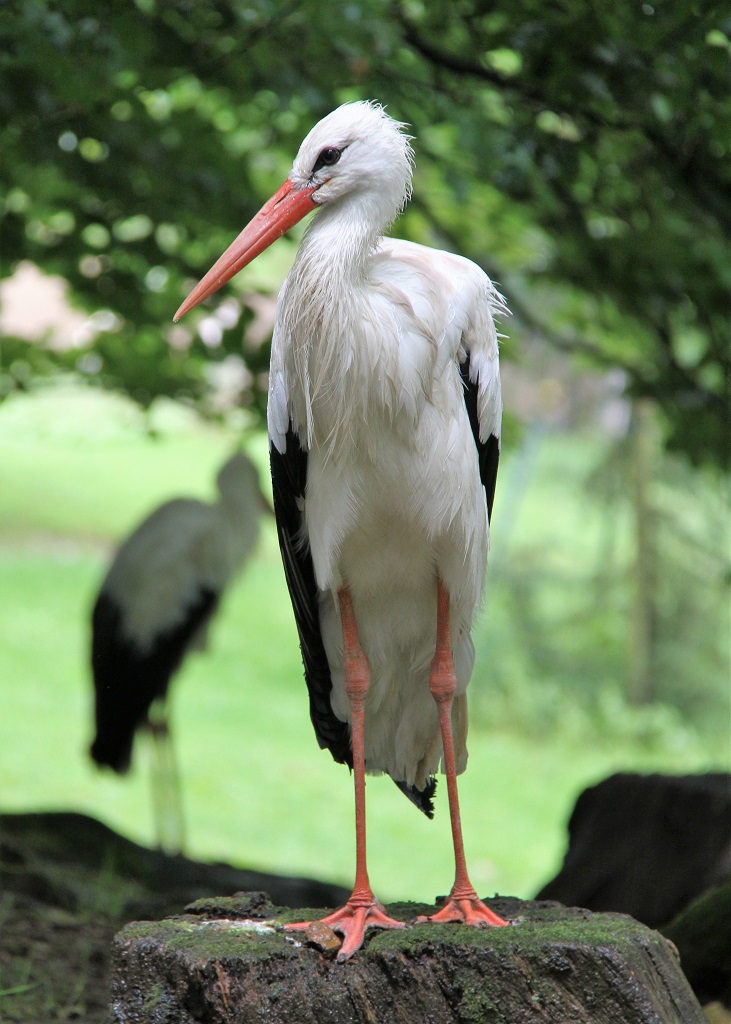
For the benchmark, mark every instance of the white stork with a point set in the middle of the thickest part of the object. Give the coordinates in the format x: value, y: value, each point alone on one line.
x: 154, y: 606
x: 384, y: 426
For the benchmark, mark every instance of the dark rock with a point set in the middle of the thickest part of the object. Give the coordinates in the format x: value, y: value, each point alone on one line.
x: 72, y: 861
x: 646, y: 845
x: 555, y: 965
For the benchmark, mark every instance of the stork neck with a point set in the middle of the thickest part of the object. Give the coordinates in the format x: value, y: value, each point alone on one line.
x: 342, y: 237
x: 325, y: 285
x: 323, y: 313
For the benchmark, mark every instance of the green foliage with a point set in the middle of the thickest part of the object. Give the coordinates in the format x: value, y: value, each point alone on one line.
x: 579, y: 153
x: 561, y: 596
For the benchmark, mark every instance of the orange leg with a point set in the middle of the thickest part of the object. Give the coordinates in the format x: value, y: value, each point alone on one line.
x: 362, y: 910
x: 463, y: 903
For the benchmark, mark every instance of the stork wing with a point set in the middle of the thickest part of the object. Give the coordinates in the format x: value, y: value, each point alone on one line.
x: 127, y: 679
x: 289, y: 478
x: 488, y: 450
x: 480, y: 372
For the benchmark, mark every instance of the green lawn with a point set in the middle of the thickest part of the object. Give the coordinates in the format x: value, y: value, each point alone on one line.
x: 78, y: 470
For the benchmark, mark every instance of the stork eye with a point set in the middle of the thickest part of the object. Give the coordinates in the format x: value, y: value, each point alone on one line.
x: 327, y: 158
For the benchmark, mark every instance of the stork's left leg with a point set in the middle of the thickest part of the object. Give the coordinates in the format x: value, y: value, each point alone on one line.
x: 362, y: 910
x: 463, y: 903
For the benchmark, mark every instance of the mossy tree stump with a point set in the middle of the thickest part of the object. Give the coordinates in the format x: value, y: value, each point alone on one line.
x: 225, y: 962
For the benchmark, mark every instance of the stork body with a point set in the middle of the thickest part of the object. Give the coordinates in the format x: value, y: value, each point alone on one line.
x: 377, y: 516
x: 154, y: 606
x: 384, y: 419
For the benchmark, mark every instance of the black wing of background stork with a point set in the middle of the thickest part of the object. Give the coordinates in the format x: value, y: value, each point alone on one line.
x: 128, y: 681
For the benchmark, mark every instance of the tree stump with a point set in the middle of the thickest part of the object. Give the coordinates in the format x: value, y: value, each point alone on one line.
x: 226, y: 962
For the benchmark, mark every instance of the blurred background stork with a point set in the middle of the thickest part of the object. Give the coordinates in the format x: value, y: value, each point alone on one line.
x: 154, y: 606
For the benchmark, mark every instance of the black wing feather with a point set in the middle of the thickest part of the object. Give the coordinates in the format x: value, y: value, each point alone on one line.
x: 423, y: 798
x: 128, y: 680
x: 488, y: 452
x: 289, y: 481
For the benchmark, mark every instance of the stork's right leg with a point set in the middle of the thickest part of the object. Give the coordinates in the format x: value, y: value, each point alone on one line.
x: 362, y: 910
x: 463, y: 903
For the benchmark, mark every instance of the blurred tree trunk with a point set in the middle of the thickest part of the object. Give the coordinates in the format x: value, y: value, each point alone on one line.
x: 643, y: 633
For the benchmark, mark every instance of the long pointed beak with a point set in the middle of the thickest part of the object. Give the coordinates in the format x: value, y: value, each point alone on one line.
x: 288, y: 205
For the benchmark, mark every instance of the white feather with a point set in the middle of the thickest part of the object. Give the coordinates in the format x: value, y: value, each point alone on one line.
x: 185, y: 545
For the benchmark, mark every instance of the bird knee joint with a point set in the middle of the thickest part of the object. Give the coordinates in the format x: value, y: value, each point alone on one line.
x: 357, y: 675
x: 442, y: 694
x: 442, y: 681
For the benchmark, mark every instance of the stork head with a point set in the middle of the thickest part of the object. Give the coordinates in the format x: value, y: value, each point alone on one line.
x: 357, y: 153
x: 356, y: 150
x: 239, y: 486
x: 236, y: 474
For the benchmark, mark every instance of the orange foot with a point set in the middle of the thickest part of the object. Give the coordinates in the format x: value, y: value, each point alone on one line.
x: 466, y: 907
x: 351, y: 921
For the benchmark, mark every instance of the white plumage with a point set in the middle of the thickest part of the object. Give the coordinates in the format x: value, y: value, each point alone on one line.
x: 377, y: 514
x: 182, y: 548
x: 384, y: 422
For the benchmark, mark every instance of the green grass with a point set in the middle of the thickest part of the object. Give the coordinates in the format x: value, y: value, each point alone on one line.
x: 78, y: 470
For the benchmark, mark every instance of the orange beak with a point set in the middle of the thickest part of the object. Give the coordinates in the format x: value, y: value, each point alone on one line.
x: 288, y: 205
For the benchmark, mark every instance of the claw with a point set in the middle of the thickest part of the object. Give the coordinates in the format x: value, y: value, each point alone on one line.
x: 352, y: 922
x: 465, y: 908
